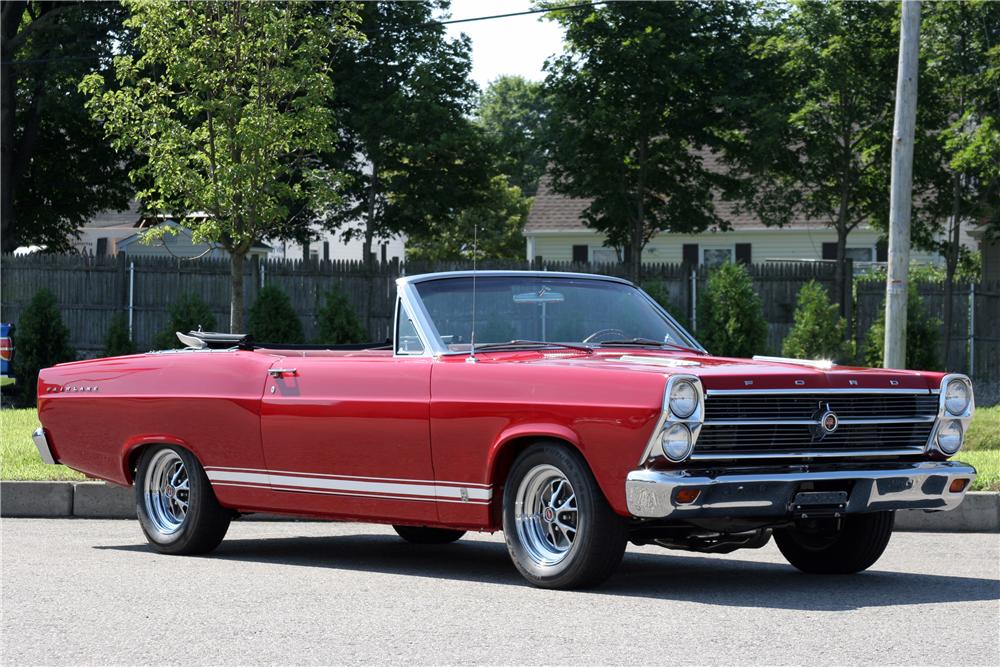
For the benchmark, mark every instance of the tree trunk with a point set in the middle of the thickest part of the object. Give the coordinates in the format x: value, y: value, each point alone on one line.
x: 11, y: 14
x: 951, y: 266
x: 639, y: 223
x: 236, y: 259
x: 366, y: 246
x: 840, y: 276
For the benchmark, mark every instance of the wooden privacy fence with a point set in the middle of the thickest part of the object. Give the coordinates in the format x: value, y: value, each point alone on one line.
x: 90, y: 291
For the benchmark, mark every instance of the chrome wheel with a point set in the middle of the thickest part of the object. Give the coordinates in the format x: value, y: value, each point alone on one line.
x: 167, y: 492
x: 546, y: 516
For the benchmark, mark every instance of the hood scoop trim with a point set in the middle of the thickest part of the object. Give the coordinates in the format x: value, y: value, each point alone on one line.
x: 657, y: 361
x: 822, y: 364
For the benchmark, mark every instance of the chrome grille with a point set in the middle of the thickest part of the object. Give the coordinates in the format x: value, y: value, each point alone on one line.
x: 762, y: 425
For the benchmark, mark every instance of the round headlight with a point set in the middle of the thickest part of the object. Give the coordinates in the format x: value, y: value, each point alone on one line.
x: 949, y: 437
x: 676, y: 442
x: 683, y: 399
x: 956, y: 397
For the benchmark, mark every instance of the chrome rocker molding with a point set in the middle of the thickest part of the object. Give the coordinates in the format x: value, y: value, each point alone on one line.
x: 763, y: 492
x: 43, y: 446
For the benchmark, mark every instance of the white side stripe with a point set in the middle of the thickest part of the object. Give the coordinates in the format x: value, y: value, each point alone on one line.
x: 356, y: 486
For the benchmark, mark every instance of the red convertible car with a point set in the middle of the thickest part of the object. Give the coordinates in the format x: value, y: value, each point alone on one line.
x: 569, y: 411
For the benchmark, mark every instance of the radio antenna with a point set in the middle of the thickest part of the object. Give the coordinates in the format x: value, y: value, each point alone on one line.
x: 475, y: 251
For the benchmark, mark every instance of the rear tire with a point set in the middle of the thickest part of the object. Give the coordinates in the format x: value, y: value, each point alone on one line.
x: 176, y: 506
x: 823, y: 547
x: 425, y: 535
x: 559, y: 528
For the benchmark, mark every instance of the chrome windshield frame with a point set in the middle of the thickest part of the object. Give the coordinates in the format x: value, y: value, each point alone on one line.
x: 410, y: 298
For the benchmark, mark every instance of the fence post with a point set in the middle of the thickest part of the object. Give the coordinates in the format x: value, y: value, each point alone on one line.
x: 694, y: 300
x: 131, y: 297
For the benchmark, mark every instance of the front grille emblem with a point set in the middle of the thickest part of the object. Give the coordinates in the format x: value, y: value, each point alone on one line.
x: 827, y: 421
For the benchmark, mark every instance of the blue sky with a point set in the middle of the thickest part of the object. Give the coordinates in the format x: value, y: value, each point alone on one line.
x: 515, y: 45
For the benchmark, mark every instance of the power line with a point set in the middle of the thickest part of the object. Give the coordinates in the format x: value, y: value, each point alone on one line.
x: 524, y: 13
x: 448, y: 22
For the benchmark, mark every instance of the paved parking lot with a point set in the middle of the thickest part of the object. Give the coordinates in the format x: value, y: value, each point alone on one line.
x: 81, y: 591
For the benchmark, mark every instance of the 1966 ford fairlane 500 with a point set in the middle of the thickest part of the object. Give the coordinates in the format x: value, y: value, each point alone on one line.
x: 568, y: 410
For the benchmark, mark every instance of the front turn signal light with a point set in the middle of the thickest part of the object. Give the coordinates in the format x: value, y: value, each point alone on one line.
x: 958, y: 485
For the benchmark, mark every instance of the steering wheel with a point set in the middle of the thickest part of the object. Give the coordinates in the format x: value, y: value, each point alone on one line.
x: 603, y: 332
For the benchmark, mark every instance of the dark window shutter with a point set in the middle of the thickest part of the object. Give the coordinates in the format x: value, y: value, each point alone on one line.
x: 690, y: 254
x: 326, y: 251
x: 743, y: 253
x: 305, y: 250
x: 882, y: 251
x: 102, y: 247
x: 829, y: 251
x: 581, y: 254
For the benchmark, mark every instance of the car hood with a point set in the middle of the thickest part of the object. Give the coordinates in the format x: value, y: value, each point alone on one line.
x: 718, y: 373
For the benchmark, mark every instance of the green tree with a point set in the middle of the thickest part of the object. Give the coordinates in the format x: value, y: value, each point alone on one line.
x: 230, y: 105
x: 42, y: 341
x: 404, y: 97
x: 512, y: 112
x: 922, y: 336
x: 958, y: 106
x: 495, y: 226
x: 819, y: 330
x: 337, y: 322
x: 117, y: 342
x: 56, y: 167
x: 187, y: 313
x: 820, y: 144
x: 733, y: 324
x: 273, y: 318
x: 638, y: 91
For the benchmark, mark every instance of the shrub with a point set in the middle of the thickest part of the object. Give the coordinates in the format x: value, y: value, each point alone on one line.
x: 922, y: 336
x: 818, y: 332
x: 273, y: 319
x: 117, y: 342
x: 733, y: 322
x: 337, y: 322
x: 187, y: 313
x: 42, y: 341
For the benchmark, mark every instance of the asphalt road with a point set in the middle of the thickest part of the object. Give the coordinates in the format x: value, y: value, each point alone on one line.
x: 91, y: 592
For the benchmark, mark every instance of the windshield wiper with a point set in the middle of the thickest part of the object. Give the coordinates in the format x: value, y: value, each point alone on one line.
x: 647, y: 342
x: 528, y: 344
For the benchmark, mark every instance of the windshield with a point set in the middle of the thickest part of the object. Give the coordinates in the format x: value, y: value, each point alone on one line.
x: 538, y: 308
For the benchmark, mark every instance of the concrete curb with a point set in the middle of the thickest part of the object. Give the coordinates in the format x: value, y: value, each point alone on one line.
x: 979, y: 513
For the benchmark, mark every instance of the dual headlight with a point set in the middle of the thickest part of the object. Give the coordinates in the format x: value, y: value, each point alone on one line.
x: 956, y: 402
x: 677, y: 440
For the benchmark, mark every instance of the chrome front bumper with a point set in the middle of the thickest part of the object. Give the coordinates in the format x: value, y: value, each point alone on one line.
x: 771, y: 492
x: 43, y: 446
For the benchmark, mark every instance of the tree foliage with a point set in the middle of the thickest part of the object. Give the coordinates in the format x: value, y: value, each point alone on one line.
x: 494, y: 226
x: 639, y: 89
x: 922, y: 337
x: 187, y: 313
x: 404, y: 95
x: 512, y: 112
x: 57, y: 167
x: 42, y: 341
x: 230, y: 105
x: 272, y: 318
x: 819, y: 330
x: 733, y: 323
x: 819, y: 143
x: 116, y: 341
x: 337, y: 322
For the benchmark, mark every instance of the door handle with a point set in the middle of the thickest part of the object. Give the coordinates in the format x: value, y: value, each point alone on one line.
x: 281, y: 372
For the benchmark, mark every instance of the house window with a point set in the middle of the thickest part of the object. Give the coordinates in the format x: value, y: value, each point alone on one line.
x: 605, y: 256
x: 711, y: 257
x: 860, y: 254
x: 581, y: 254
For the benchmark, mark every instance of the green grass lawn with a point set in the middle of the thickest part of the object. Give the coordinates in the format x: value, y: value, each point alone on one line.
x: 19, y: 458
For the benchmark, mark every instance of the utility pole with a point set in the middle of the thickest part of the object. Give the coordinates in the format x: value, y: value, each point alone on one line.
x: 901, y: 190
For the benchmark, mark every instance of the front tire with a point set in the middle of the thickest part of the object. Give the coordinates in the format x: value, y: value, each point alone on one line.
x: 560, y: 530
x: 425, y: 535
x: 176, y: 506
x: 836, y: 546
